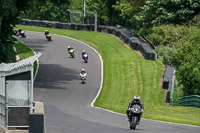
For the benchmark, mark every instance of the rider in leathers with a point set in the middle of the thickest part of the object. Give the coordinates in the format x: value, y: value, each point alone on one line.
x: 84, y: 52
x: 136, y: 100
x: 83, y: 73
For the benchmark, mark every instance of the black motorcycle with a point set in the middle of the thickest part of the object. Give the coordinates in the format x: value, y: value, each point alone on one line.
x: 134, y: 115
x: 83, y: 79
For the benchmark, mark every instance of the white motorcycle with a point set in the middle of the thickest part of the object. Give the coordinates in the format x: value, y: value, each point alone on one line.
x: 83, y: 77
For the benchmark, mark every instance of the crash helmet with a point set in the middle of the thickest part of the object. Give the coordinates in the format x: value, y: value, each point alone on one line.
x: 46, y: 30
x: 83, y: 51
x: 82, y: 70
x: 136, y: 98
x: 68, y: 46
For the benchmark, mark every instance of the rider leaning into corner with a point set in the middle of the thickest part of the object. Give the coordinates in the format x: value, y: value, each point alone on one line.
x: 83, y: 73
x: 136, y: 100
x: 46, y: 32
x: 83, y: 52
x: 69, y: 48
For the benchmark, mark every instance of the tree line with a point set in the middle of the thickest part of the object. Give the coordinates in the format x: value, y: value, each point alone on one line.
x: 170, y: 25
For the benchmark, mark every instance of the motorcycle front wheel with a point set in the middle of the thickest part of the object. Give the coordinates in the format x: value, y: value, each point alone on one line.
x: 134, y: 122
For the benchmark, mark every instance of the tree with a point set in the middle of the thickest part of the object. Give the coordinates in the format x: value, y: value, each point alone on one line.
x: 53, y: 10
x: 8, y: 17
x: 157, y: 12
x: 107, y: 15
x: 186, y: 61
x: 127, y: 10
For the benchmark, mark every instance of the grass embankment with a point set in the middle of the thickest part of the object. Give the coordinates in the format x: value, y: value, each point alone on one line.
x: 126, y: 74
x: 24, y: 52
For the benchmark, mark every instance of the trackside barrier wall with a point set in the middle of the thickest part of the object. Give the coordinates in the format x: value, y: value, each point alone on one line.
x: 130, y: 38
x: 168, y: 82
x: 192, y: 100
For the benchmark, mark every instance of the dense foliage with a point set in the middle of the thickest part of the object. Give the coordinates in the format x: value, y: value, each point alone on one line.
x: 54, y: 10
x: 160, y: 12
x: 186, y: 61
x: 10, y: 9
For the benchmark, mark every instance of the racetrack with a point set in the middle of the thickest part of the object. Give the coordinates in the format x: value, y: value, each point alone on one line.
x: 68, y: 102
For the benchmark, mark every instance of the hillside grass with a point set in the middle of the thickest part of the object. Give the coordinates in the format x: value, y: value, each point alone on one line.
x: 24, y: 51
x: 127, y: 73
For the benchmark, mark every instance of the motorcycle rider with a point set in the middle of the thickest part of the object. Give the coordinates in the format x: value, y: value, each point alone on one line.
x: 84, y: 52
x: 136, y: 100
x: 19, y: 30
x: 22, y: 33
x: 69, y: 48
x: 83, y: 73
x: 46, y: 32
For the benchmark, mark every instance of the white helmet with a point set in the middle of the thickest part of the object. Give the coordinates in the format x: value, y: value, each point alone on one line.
x: 69, y: 46
x: 83, y: 51
x: 83, y: 70
x: 46, y: 30
x: 136, y: 98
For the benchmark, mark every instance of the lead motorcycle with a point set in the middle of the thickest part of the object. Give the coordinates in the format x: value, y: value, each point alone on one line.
x: 22, y: 34
x: 48, y: 37
x: 134, y: 115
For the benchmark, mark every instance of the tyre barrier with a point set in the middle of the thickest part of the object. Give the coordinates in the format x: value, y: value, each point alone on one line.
x: 192, y: 101
x: 134, y: 41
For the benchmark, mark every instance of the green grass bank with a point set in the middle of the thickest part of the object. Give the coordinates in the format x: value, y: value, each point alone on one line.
x: 23, y: 51
x: 127, y: 73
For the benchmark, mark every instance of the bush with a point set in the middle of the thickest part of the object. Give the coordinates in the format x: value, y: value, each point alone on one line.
x: 7, y: 53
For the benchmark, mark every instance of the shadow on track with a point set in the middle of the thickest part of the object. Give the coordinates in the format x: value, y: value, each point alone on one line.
x: 50, y: 76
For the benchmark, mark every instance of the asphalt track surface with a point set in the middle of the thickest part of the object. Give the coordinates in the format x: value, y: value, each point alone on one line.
x: 67, y: 102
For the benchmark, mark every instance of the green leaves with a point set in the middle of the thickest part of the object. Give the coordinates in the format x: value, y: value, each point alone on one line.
x: 187, y: 64
x: 167, y: 12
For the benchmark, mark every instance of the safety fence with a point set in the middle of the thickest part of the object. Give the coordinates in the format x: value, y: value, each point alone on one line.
x: 192, y: 100
x: 130, y: 38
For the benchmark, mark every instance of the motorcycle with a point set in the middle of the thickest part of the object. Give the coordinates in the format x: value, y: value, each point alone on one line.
x: 83, y: 79
x: 48, y: 37
x: 134, y: 115
x: 72, y: 53
x: 22, y: 34
x: 15, y: 32
x: 85, y: 58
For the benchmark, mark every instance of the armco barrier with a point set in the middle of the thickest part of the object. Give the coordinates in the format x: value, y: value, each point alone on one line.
x: 168, y: 82
x: 134, y: 41
x: 193, y: 101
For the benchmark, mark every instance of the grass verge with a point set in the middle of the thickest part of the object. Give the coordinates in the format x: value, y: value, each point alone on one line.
x: 126, y: 74
x: 24, y: 52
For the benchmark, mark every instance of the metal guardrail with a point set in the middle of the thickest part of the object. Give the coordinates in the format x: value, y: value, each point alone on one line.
x: 192, y: 100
